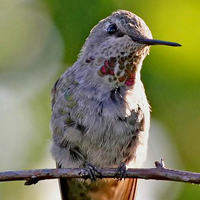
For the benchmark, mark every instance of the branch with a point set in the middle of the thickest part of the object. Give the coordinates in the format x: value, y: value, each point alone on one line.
x: 158, y: 173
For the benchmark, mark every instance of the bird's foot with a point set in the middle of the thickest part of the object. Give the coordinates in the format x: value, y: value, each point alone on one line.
x: 92, y: 171
x: 121, y: 172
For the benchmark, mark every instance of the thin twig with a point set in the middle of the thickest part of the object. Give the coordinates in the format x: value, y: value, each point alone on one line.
x: 160, y: 173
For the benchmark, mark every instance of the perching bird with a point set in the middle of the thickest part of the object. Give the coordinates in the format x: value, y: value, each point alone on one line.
x: 100, y: 114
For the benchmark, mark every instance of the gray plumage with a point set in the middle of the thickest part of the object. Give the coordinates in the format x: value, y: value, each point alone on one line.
x: 100, y: 114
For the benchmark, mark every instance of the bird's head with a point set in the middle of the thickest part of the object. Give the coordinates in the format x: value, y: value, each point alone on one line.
x: 117, y: 45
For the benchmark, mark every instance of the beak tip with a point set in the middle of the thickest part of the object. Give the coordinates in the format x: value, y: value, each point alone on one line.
x: 155, y: 42
x: 176, y: 44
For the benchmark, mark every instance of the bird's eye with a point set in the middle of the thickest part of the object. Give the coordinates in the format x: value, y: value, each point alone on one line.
x: 112, y: 29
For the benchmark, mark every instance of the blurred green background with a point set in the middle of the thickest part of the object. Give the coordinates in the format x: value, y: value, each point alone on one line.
x: 39, y: 40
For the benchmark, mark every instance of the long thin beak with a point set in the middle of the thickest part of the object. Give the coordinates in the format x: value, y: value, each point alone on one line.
x: 155, y: 42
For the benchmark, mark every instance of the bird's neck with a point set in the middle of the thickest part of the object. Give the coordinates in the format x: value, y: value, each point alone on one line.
x: 112, y: 71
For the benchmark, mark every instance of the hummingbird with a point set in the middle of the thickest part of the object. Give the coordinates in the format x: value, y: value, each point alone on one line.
x: 100, y: 113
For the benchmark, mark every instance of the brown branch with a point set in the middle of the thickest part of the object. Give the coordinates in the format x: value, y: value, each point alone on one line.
x: 159, y: 173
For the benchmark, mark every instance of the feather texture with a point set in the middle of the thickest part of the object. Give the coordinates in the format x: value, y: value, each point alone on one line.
x: 100, y: 114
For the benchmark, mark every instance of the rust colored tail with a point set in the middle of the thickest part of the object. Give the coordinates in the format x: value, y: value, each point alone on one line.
x: 102, y: 189
x: 112, y: 189
x: 99, y: 190
x: 126, y: 190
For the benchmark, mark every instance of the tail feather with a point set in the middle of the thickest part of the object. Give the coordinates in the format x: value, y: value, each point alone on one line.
x: 63, y: 186
x: 132, y: 194
x: 111, y: 189
x: 126, y: 190
x: 104, y: 189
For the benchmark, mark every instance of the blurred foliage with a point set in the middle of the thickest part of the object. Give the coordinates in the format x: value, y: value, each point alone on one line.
x: 39, y: 39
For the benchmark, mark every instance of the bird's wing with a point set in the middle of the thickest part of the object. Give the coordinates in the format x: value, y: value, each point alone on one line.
x: 54, y: 93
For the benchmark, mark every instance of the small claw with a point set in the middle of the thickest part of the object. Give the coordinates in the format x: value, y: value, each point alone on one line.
x: 92, y: 170
x: 121, y: 172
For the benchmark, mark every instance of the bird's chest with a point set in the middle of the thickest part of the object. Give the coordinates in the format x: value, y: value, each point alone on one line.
x: 111, y: 131
x: 110, y: 142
